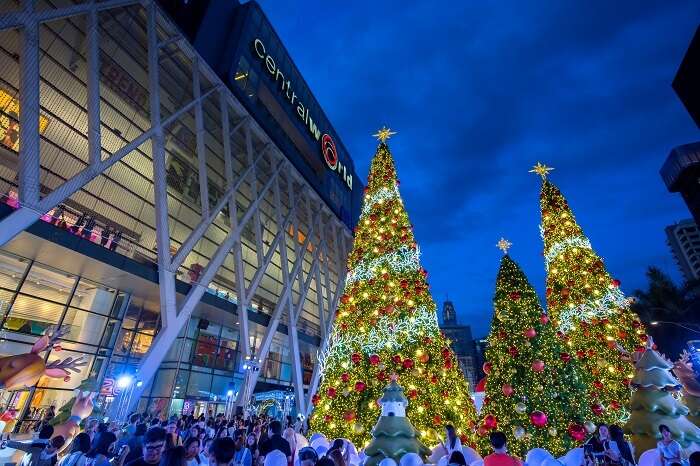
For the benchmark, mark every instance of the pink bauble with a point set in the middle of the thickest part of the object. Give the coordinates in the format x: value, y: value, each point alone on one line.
x: 530, y: 333
x: 507, y: 390
x: 538, y: 366
x: 538, y: 418
x: 487, y: 367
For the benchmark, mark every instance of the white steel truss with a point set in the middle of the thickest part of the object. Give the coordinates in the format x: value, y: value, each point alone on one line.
x: 322, y: 224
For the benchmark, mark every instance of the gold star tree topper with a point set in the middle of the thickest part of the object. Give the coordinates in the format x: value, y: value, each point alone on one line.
x: 384, y: 134
x: 503, y: 244
x: 542, y: 170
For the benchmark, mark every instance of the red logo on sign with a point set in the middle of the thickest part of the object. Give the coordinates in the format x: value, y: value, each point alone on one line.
x: 329, y: 152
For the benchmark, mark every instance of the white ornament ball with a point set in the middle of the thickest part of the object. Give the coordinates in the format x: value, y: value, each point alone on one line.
x: 518, y: 432
x: 520, y: 407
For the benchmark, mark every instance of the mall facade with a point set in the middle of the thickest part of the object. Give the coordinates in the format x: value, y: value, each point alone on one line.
x: 171, y: 194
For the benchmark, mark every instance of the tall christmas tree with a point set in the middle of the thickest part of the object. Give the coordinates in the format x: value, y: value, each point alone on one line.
x: 592, y: 314
x: 533, y: 389
x: 386, y: 325
x: 653, y: 404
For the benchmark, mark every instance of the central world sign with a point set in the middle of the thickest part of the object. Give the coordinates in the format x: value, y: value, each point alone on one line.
x: 328, y: 150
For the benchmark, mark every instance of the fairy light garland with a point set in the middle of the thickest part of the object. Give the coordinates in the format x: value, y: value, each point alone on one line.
x: 388, y: 333
x: 382, y: 194
x: 402, y: 260
x: 561, y: 246
x: 604, y: 306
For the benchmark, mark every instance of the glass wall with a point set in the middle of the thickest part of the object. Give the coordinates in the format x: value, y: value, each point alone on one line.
x: 33, y: 297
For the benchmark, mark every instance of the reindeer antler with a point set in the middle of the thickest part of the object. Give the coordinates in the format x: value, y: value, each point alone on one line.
x: 61, y: 368
x: 55, y: 333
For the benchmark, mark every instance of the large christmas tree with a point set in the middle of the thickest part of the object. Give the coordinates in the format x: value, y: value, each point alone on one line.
x: 386, y: 325
x: 533, y: 389
x: 592, y: 314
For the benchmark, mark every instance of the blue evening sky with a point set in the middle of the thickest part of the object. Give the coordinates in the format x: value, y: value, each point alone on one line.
x: 478, y: 92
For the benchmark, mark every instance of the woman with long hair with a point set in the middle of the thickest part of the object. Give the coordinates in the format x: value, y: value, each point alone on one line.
x: 452, y: 442
x: 79, y: 448
x: 173, y: 457
x: 619, y: 450
x: 103, y: 450
x: 669, y: 450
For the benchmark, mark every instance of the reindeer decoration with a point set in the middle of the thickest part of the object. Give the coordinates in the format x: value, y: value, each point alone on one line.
x: 683, y: 369
x: 25, y: 370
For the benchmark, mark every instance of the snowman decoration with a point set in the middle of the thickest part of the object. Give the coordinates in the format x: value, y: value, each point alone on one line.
x: 393, y: 436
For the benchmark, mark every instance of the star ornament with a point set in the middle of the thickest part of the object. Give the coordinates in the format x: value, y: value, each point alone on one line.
x: 541, y: 169
x: 503, y: 244
x: 384, y: 134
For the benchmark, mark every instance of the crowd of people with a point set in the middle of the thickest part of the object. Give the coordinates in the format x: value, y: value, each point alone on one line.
x: 263, y: 441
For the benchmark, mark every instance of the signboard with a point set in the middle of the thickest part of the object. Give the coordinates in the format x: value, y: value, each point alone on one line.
x: 9, y: 121
x: 109, y: 387
x: 302, y: 111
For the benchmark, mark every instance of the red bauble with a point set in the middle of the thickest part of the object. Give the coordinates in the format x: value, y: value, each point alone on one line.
x: 514, y: 296
x: 538, y: 418
x: 356, y: 358
x: 437, y: 420
x: 513, y: 351
x: 580, y: 354
x: 331, y: 392
x: 621, y: 334
x: 404, y: 284
x: 374, y: 359
x: 381, y: 375
x: 487, y: 367
x: 434, y: 379
x: 597, y: 409
x: 327, y: 418
x: 344, y: 376
x: 598, y: 384
x: 507, y: 390
x: 530, y: 333
x: 490, y: 421
x: 548, y: 291
x: 315, y: 399
x: 538, y: 366
x: 412, y: 394
x: 544, y: 318
x: 482, y: 431
x: 446, y: 352
x: 343, y: 326
x: 349, y: 416
x: 615, y: 282
x: 424, y: 358
x: 427, y: 341
x: 566, y: 357
x: 626, y: 382
x: 360, y: 386
x: 577, y: 432
x: 614, y: 405
x: 397, y: 359
x: 447, y: 364
x: 636, y: 324
x: 408, y: 363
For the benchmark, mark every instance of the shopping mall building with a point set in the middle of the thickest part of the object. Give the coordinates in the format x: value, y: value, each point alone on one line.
x: 174, y: 196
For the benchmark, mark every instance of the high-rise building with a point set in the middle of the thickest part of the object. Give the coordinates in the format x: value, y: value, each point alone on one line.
x: 184, y: 214
x: 681, y: 174
x: 684, y: 241
x: 462, y: 341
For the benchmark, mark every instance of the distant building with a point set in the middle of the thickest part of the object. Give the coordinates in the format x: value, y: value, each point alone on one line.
x: 462, y: 342
x: 686, y: 81
x: 480, y: 346
x: 684, y: 240
x: 681, y: 174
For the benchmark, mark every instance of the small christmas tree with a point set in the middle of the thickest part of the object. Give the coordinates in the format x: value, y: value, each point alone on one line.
x: 588, y: 307
x: 533, y: 389
x: 653, y: 404
x: 387, y: 324
x: 393, y: 436
x: 683, y: 369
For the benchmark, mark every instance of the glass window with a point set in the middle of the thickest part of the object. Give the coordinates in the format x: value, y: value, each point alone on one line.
x: 142, y: 342
x: 93, y: 297
x: 11, y: 270
x: 163, y: 383
x: 241, y: 74
x: 220, y: 386
x: 181, y: 381
x: 132, y: 315
x: 199, y: 385
x: 84, y: 327
x: 149, y: 321
x: 31, y: 315
x: 110, y: 335
x: 205, y: 352
x: 48, y: 283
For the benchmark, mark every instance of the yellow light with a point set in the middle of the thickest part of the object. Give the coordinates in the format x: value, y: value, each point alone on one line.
x: 345, y: 364
x: 421, y: 409
x: 384, y: 297
x: 554, y: 270
x: 375, y: 250
x: 396, y: 298
x: 366, y: 222
x: 332, y: 425
x: 396, y: 211
x: 384, y: 270
x: 392, y: 284
x: 381, y: 230
x: 365, y: 295
x: 410, y: 302
x: 611, y: 369
x: 419, y: 352
x: 352, y: 299
x: 609, y: 338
